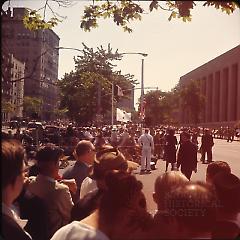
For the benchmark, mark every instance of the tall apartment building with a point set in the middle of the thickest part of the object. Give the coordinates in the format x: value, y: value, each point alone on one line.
x: 220, y: 84
x: 17, y: 90
x: 12, y: 91
x: 38, y: 50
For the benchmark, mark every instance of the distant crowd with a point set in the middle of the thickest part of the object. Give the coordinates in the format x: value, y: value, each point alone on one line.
x: 99, y: 197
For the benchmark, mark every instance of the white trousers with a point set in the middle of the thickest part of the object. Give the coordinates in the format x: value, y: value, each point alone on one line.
x: 146, y: 157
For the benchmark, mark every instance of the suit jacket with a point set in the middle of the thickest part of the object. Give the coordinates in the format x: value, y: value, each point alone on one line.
x: 187, y: 156
x: 207, y: 141
x: 79, y: 171
x: 57, y: 198
x: 11, y: 230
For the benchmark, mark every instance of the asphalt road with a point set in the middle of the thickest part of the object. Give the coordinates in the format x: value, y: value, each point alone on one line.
x: 222, y: 150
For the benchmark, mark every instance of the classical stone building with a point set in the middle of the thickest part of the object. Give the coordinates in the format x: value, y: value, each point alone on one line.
x: 39, y: 51
x: 219, y: 81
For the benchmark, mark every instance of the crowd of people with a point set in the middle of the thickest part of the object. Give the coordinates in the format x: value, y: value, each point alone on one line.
x: 99, y: 196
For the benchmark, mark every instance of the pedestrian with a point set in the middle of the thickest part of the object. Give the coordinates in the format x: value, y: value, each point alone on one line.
x: 147, y: 144
x: 187, y: 156
x: 84, y: 154
x: 170, y: 149
x: 206, y: 146
x: 13, y: 178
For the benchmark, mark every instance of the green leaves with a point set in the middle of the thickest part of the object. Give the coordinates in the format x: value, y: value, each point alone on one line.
x: 93, y: 75
x: 192, y: 100
x: 153, y: 5
x: 31, y: 105
x: 121, y: 12
x: 34, y: 21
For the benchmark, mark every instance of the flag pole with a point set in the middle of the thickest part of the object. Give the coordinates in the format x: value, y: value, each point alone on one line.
x: 112, y: 102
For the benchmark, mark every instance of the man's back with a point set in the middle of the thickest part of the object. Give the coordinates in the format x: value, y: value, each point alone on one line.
x: 57, y: 198
x: 207, y: 141
x: 79, y: 171
x: 187, y: 155
x: 146, y: 140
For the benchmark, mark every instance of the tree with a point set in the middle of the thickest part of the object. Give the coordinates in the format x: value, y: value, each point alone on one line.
x: 122, y: 12
x: 161, y: 103
x: 192, y: 100
x: 60, y: 113
x: 87, y: 90
x: 32, y: 106
x: 7, y: 107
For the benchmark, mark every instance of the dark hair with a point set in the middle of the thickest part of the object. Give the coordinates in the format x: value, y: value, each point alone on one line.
x: 217, y: 167
x: 197, y: 197
x: 49, y: 153
x: 171, y: 131
x: 227, y: 187
x: 83, y: 147
x: 124, y: 191
x: 186, y: 135
x: 12, y: 158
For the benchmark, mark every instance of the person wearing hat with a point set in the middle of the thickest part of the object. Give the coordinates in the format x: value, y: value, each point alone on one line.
x: 187, y: 156
x: 107, y: 160
x: 56, y: 195
x: 121, y: 212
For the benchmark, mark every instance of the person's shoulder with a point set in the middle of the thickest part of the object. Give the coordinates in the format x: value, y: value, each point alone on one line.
x: 61, y: 186
x: 11, y: 230
x: 67, y: 171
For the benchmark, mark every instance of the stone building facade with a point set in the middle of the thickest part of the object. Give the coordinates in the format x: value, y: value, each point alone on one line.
x: 17, y: 91
x: 219, y: 81
x: 39, y: 50
x: 12, y: 91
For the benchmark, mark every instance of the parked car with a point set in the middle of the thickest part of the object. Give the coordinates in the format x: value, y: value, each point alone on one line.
x: 13, y: 124
x: 52, y: 133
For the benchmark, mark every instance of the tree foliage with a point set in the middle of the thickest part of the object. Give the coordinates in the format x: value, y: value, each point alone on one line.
x: 7, y: 107
x: 91, y: 81
x: 159, y: 107
x: 122, y: 12
x: 167, y: 105
x: 31, y: 106
x: 191, y: 100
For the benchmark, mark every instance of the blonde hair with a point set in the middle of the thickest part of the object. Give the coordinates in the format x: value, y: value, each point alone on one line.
x: 166, y: 182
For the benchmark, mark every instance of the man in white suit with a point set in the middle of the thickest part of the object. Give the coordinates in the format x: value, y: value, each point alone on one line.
x: 147, y: 144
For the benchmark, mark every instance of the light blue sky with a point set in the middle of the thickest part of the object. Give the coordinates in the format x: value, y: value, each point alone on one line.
x: 174, y: 48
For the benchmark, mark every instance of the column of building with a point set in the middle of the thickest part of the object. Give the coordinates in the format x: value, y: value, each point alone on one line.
x: 215, y: 96
x: 204, y: 94
x: 238, y: 90
x: 232, y: 93
x: 223, y: 94
x: 208, y: 99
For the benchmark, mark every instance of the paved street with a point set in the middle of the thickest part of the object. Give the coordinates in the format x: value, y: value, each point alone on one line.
x: 222, y: 150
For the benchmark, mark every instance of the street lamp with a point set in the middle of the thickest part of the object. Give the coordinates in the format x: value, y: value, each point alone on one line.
x: 142, y: 80
x: 76, y: 49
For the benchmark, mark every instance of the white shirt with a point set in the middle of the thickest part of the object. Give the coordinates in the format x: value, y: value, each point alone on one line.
x: 88, y: 185
x: 146, y: 141
x: 79, y: 231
